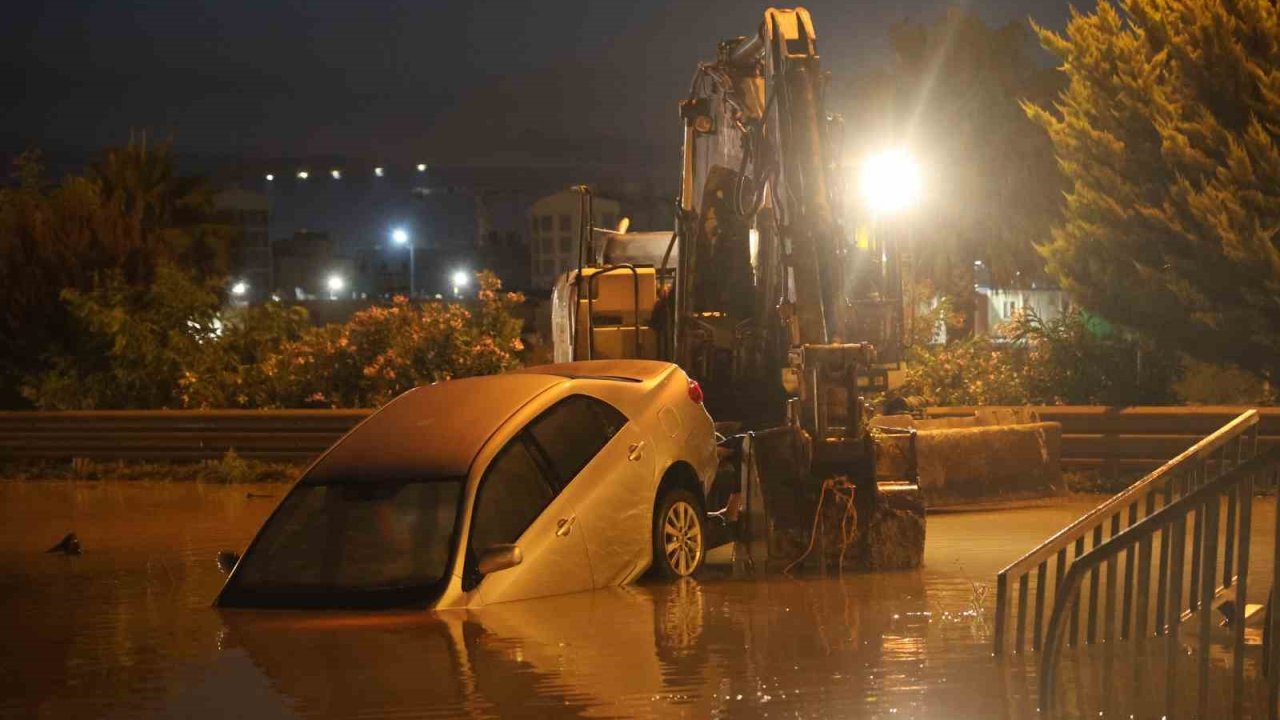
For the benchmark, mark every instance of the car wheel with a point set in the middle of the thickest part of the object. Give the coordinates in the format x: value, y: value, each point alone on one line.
x: 679, y: 534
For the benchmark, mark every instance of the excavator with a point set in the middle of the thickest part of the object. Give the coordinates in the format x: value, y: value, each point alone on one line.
x: 787, y: 320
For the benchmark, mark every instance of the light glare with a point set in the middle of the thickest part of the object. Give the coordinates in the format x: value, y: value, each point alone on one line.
x: 400, y: 236
x: 461, y: 278
x: 337, y: 174
x: 422, y: 167
x: 270, y: 177
x: 240, y: 288
x: 377, y: 171
x: 890, y: 181
x: 303, y: 174
x: 336, y: 283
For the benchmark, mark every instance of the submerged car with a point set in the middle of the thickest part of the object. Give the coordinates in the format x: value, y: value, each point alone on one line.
x: 543, y: 481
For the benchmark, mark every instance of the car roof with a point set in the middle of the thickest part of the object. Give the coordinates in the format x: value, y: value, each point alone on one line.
x: 626, y: 370
x: 433, y: 431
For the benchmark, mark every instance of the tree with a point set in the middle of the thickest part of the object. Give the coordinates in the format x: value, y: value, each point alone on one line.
x: 1167, y: 133
x: 132, y: 344
x: 117, y: 223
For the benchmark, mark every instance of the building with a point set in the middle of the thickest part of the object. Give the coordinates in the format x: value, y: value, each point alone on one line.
x: 997, y: 306
x: 305, y: 264
x: 554, y: 227
x: 249, y: 214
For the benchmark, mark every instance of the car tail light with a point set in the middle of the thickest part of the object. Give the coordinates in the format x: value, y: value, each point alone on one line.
x: 695, y: 391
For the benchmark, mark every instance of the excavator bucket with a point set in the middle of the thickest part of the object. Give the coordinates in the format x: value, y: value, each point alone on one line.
x: 791, y: 516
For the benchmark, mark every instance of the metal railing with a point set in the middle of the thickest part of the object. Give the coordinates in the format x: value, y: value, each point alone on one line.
x: 1211, y: 584
x: 1209, y: 458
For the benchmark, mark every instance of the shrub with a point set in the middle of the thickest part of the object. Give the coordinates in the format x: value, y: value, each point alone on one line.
x: 1075, y: 359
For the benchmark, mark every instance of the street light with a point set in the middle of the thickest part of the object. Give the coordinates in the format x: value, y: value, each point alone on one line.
x: 378, y: 171
x: 270, y: 177
x: 460, y: 280
x: 337, y: 174
x: 303, y: 174
x: 400, y: 236
x: 422, y: 167
x: 335, y: 283
x: 890, y: 181
x: 240, y: 288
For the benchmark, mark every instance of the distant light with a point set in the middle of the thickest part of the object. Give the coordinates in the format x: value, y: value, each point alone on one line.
x: 303, y: 174
x: 422, y: 167
x: 270, y: 177
x: 240, y: 288
x: 377, y: 171
x: 335, y: 283
x: 461, y: 278
x: 891, y: 181
x: 337, y: 174
x: 400, y: 236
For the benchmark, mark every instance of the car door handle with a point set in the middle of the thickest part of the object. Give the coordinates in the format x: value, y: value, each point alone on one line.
x: 635, y: 451
x: 565, y: 525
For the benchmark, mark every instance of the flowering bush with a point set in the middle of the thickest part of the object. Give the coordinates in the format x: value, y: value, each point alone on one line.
x: 172, y: 346
x: 383, y: 351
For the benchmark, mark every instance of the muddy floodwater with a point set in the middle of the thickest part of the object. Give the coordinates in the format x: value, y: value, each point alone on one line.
x: 126, y: 628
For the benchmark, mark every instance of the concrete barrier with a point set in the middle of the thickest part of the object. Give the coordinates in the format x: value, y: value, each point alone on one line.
x: 971, y: 464
x: 984, y: 457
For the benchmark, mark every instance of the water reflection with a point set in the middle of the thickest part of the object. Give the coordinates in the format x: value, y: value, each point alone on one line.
x: 126, y: 629
x: 714, y: 648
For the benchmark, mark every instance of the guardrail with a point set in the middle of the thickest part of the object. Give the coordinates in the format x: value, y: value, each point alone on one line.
x: 167, y: 435
x: 1141, y: 438
x: 1093, y: 436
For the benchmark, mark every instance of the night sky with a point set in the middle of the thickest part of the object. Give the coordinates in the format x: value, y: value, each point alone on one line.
x: 479, y: 83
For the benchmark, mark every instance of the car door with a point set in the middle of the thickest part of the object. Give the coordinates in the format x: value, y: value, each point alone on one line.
x: 517, y: 503
x: 604, y: 465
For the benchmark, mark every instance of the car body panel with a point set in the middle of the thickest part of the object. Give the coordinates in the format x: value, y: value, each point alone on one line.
x: 555, y: 559
x: 615, y: 515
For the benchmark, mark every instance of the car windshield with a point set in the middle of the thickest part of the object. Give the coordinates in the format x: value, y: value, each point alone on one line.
x: 351, y: 544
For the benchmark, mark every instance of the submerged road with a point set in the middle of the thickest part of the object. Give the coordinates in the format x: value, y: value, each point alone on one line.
x: 126, y: 629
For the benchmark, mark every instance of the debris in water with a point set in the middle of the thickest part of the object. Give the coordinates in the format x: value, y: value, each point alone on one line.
x: 68, y: 545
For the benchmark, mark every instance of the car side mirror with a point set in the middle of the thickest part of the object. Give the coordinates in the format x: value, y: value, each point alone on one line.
x: 499, y: 557
x: 227, y: 560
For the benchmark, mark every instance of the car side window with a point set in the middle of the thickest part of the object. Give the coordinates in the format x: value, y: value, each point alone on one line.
x: 512, y: 495
x: 572, y: 432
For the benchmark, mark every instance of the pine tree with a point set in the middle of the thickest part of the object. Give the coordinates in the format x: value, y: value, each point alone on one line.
x: 1167, y: 132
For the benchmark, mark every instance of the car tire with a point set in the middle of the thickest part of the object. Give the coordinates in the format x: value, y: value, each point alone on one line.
x: 679, y: 534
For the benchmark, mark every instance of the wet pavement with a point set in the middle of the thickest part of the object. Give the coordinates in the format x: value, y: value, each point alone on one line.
x: 126, y: 628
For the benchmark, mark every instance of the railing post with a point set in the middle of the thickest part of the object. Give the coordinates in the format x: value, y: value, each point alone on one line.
x: 1209, y: 579
x: 1074, y: 637
x: 1042, y: 579
x: 1197, y: 536
x: 1174, y: 611
x: 1094, y: 576
x: 1129, y: 558
x: 1002, y: 609
x: 1162, y: 582
x: 1273, y: 621
x: 1109, y: 603
x: 1021, y: 628
x: 1242, y: 590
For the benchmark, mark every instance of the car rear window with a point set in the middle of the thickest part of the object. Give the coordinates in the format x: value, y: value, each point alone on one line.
x: 573, y: 431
